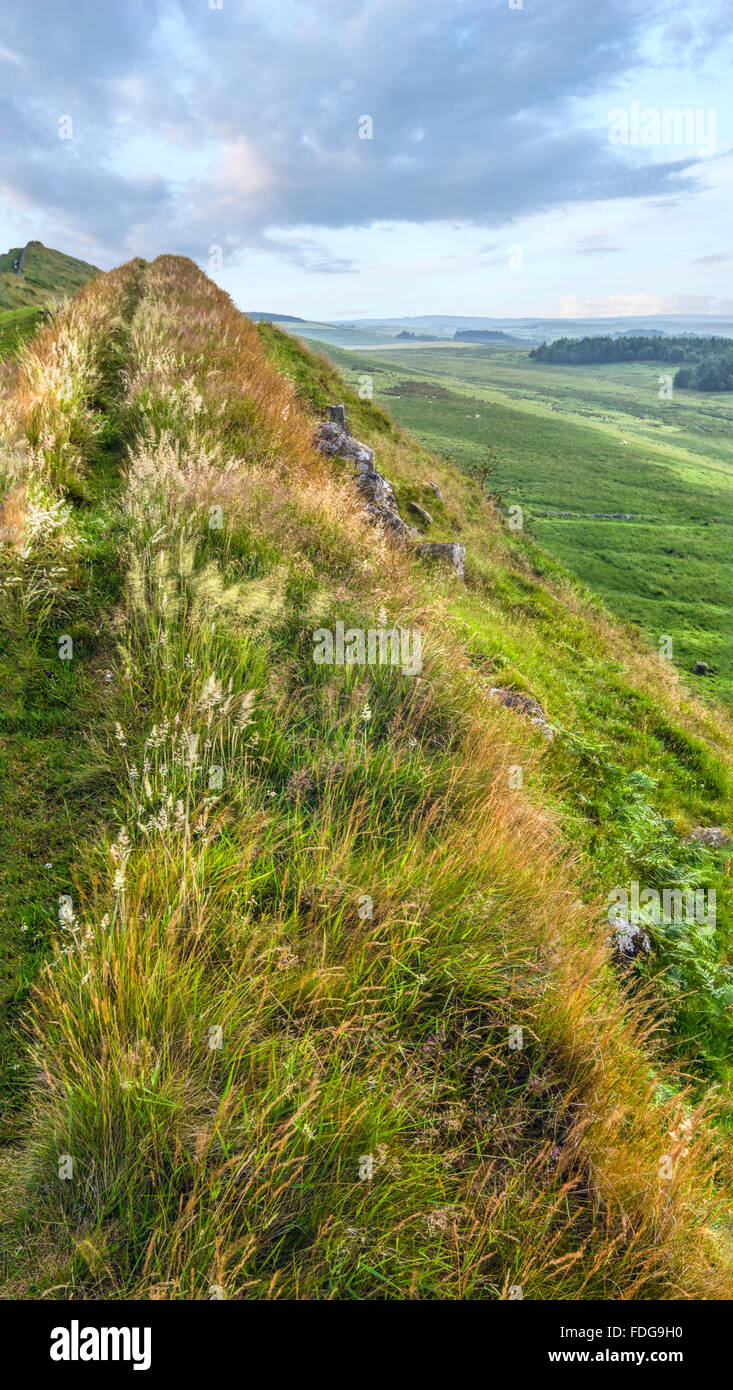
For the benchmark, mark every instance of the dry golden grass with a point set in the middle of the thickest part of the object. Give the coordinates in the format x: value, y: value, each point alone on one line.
x: 12, y: 518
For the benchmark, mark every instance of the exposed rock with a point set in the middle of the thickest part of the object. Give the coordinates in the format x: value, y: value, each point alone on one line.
x: 714, y: 836
x: 701, y: 668
x: 451, y: 551
x: 380, y: 503
x: 630, y: 939
x: 434, y: 488
x: 526, y: 705
x: 421, y: 512
x: 333, y: 440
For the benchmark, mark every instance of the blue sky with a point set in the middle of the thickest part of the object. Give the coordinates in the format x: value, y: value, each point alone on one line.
x: 490, y: 184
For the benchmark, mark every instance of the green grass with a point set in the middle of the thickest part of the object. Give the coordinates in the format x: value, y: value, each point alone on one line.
x: 558, y: 435
x: 522, y: 636
x: 16, y: 327
x: 54, y: 712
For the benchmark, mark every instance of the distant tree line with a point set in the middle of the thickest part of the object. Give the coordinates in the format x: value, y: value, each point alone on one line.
x: 483, y: 335
x: 708, y: 362
x: 417, y: 337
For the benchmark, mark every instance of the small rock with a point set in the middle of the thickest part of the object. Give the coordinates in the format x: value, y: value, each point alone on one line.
x: 337, y: 413
x: 631, y: 939
x: 380, y: 503
x: 524, y: 704
x: 714, y: 836
x: 334, y: 441
x: 421, y: 512
x: 434, y: 488
x: 701, y: 668
x: 451, y: 551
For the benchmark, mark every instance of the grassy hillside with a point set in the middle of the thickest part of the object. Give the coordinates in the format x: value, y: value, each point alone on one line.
x: 16, y: 327
x: 308, y: 993
x: 45, y: 277
x: 568, y: 442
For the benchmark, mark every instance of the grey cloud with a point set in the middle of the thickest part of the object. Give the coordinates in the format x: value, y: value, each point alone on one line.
x: 595, y: 245
x: 471, y: 104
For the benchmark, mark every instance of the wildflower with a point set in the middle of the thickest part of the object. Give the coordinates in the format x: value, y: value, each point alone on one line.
x: 119, y: 881
x: 366, y: 714
x: 120, y: 735
x: 439, y: 1220
x: 299, y: 783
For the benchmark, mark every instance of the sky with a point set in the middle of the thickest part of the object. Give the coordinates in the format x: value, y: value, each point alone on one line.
x: 342, y: 159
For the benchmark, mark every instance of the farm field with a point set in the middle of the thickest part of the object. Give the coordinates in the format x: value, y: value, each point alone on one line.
x: 564, y: 443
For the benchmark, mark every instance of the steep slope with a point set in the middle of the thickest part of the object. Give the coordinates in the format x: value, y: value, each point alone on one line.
x: 36, y: 274
x: 332, y: 1009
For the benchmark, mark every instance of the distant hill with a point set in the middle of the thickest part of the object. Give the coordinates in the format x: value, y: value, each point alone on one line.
x: 545, y: 329
x: 273, y: 318
x: 36, y: 275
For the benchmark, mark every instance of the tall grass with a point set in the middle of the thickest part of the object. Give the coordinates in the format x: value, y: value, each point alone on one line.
x: 277, y: 1038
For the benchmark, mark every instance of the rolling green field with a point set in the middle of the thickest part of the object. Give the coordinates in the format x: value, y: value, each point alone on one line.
x: 567, y: 442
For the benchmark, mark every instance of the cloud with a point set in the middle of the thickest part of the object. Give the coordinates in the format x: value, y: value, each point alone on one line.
x: 241, y: 126
x: 573, y: 306
x: 595, y: 245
